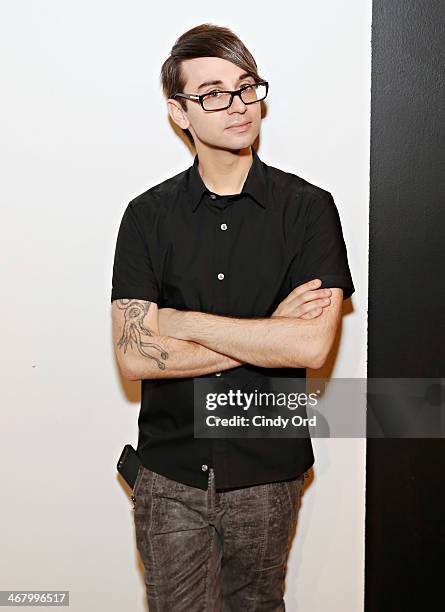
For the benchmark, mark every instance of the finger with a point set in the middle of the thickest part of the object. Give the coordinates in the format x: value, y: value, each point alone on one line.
x: 316, y: 297
x: 305, y: 307
x: 316, y: 312
x: 309, y: 286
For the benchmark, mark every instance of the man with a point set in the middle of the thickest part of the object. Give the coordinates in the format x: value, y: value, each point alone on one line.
x: 218, y: 272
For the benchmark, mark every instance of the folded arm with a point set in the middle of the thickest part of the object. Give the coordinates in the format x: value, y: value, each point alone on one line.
x: 143, y: 353
x: 266, y: 342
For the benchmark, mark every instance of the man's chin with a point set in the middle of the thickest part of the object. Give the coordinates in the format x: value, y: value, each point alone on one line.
x: 230, y: 143
x: 236, y: 143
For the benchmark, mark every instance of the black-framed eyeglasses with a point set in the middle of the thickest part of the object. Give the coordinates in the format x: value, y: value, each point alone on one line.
x: 220, y: 100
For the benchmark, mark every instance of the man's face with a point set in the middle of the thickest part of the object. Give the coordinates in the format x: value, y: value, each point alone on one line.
x: 214, y: 128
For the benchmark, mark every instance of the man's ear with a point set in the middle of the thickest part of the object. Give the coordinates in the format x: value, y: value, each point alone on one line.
x: 177, y: 114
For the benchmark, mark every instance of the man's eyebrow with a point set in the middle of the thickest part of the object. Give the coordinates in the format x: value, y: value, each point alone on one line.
x: 219, y: 82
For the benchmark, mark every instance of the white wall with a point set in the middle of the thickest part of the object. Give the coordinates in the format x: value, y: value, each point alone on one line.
x: 85, y: 129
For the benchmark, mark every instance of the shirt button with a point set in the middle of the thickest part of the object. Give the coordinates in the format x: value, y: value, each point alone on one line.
x: 220, y: 276
x: 204, y: 467
x: 223, y: 226
x: 213, y: 196
x: 217, y: 373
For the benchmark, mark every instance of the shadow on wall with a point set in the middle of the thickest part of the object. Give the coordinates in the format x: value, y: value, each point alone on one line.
x: 326, y: 372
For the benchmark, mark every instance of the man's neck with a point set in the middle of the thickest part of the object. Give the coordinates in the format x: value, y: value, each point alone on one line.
x: 224, y: 172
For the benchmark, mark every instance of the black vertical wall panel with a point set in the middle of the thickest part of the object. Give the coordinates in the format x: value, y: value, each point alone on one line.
x: 405, y: 509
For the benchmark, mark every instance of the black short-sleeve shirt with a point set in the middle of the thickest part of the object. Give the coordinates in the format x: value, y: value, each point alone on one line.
x: 240, y: 255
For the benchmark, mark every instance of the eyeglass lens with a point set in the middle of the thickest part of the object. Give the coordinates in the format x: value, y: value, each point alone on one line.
x: 220, y: 100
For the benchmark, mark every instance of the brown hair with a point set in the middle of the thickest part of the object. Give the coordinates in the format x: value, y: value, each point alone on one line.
x: 205, y: 40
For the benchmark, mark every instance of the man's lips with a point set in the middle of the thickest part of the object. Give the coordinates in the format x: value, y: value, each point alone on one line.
x: 239, y: 125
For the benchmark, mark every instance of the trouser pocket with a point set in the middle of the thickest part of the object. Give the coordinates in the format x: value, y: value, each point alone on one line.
x: 136, y: 484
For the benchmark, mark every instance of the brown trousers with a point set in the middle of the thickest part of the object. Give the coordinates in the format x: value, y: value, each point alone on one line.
x: 214, y: 551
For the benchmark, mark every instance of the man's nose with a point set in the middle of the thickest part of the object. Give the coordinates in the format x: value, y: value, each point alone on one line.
x: 237, y: 105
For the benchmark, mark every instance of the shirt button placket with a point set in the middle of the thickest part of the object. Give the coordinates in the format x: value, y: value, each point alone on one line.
x: 221, y: 252
x: 221, y: 275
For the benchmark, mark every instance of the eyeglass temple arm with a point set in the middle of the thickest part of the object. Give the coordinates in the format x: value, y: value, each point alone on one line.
x: 189, y: 96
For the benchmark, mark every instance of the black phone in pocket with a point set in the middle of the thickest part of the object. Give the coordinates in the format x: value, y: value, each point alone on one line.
x: 128, y: 465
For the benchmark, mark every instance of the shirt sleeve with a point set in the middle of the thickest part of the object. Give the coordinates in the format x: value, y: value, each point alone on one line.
x: 323, y: 254
x: 133, y: 276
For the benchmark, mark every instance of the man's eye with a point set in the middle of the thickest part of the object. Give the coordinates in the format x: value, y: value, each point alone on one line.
x: 215, y: 91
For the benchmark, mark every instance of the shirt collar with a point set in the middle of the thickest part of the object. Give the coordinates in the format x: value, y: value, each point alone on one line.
x: 254, y: 185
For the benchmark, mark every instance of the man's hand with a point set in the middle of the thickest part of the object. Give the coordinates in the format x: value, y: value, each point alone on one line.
x: 304, y: 302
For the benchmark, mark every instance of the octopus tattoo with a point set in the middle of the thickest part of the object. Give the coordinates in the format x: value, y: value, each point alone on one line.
x: 134, y: 330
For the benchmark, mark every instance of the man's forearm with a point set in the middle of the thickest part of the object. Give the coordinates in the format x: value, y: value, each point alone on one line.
x: 267, y: 342
x: 173, y: 358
